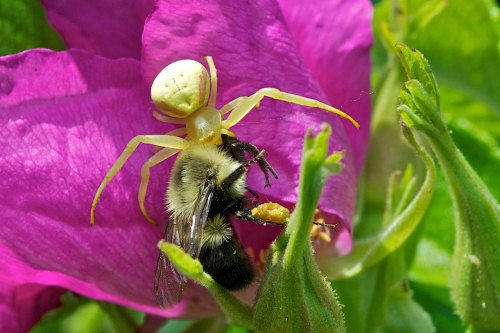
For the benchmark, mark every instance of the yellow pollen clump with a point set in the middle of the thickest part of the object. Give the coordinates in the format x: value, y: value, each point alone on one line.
x: 271, y: 211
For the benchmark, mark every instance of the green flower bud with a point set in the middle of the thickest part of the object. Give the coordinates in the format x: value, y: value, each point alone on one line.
x: 475, y: 280
x: 293, y: 296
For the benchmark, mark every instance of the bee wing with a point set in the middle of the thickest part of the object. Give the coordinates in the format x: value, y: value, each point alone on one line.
x: 192, y: 240
x: 169, y: 283
x: 187, y: 233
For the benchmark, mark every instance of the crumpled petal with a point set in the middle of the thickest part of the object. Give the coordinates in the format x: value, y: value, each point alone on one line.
x: 111, y: 28
x: 253, y: 48
x: 27, y: 303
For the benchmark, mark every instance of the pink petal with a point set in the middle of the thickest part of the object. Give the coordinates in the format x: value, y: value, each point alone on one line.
x: 111, y: 28
x: 334, y: 39
x: 28, y: 303
x: 253, y: 48
x: 65, y: 117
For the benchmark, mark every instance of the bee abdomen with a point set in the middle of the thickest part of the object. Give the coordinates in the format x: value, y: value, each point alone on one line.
x: 228, y: 264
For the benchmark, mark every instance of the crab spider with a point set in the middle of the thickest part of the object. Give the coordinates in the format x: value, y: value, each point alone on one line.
x: 182, y: 92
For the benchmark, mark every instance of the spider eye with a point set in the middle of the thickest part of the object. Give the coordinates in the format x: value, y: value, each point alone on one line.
x: 181, y: 88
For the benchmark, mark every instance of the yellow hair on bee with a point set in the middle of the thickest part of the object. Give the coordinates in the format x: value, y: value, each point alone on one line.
x: 190, y: 173
x: 216, y: 232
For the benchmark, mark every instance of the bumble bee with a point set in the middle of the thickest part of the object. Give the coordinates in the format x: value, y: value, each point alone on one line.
x: 207, y: 186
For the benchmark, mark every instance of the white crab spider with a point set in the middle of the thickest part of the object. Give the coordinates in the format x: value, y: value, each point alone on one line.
x: 182, y: 92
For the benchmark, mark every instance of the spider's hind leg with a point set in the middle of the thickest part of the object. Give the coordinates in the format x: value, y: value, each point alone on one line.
x: 237, y: 149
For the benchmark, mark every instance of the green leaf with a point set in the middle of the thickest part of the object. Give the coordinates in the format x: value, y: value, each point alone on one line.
x: 480, y: 149
x: 122, y: 318
x: 436, y: 301
x: 210, y: 325
x: 457, y: 106
x: 370, y: 250
x: 23, y: 26
x: 432, y: 262
x: 424, y: 15
x: 460, y: 38
x: 403, y: 314
x: 461, y: 43
x: 174, y: 326
x: 379, y: 299
x: 77, y: 314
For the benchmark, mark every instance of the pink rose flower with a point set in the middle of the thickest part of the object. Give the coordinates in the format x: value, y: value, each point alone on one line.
x: 66, y: 116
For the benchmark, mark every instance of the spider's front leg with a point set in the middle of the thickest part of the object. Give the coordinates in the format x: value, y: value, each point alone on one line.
x: 246, y: 104
x: 166, y: 141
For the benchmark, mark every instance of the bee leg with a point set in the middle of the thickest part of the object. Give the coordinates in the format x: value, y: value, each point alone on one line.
x: 159, y: 157
x: 236, y: 174
x: 259, y: 158
x: 235, y: 150
x: 252, y: 192
x: 263, y: 164
x: 245, y: 214
x: 238, y: 148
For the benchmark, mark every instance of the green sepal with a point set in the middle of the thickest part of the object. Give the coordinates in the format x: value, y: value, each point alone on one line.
x: 294, y: 296
x: 188, y: 266
x: 423, y: 102
x: 475, y: 280
x: 332, y: 164
x: 237, y: 312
